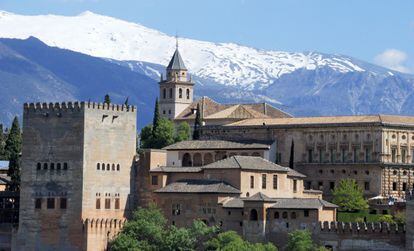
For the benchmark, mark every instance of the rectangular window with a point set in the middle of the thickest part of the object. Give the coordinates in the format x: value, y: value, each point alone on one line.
x: 308, y: 184
x: 332, y: 156
x: 306, y: 213
x: 344, y: 153
x: 332, y: 185
x: 310, y: 155
x: 278, y: 158
x: 320, y: 156
x: 355, y: 155
x: 367, y: 155
x: 394, y: 186
x: 295, y: 186
x: 366, y: 186
x: 63, y: 203
x: 116, y: 203
x: 404, y: 188
x: 251, y: 181
x: 176, y: 209
x: 263, y: 181
x: 393, y: 155
x: 403, y: 155
x: 50, y: 203
x: 98, y: 203
x: 107, y: 203
x: 154, y: 180
x: 38, y: 203
x: 320, y: 185
x: 275, y: 182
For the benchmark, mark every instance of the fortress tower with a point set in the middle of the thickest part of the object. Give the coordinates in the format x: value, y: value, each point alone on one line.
x: 176, y: 91
x: 77, y: 161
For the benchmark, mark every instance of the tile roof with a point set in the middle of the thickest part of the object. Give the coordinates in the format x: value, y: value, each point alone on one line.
x: 249, y: 163
x: 176, y: 62
x: 326, y: 120
x: 216, y: 144
x: 199, y: 186
x: 282, y: 203
x: 4, y: 164
x: 176, y: 169
x: 211, y: 109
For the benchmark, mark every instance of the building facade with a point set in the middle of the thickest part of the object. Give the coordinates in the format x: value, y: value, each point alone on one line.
x: 76, y: 178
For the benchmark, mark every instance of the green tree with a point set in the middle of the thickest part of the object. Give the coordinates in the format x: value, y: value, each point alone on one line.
x: 146, y: 137
x: 230, y: 240
x: 156, y: 118
x: 2, y: 142
x: 163, y: 135
x: 349, y: 196
x: 386, y: 218
x: 301, y: 240
x: 14, y: 140
x: 183, y: 132
x: 12, y: 149
x: 107, y: 99
x: 197, y: 124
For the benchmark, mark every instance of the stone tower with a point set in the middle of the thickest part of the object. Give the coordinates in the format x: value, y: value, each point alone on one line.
x: 176, y: 91
x: 77, y: 160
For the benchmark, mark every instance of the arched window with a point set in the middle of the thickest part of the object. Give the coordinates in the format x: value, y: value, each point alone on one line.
x: 171, y: 92
x: 58, y: 166
x: 284, y: 215
x: 118, y: 167
x: 186, y: 159
x: 293, y: 215
x: 39, y: 166
x: 52, y: 166
x: 197, y: 161
x: 98, y: 166
x: 188, y: 93
x: 103, y: 166
x: 276, y: 216
x: 113, y: 167
x: 45, y: 166
x: 108, y: 167
x: 164, y: 93
x: 180, y: 93
x: 65, y: 166
x: 253, y: 215
x: 208, y: 158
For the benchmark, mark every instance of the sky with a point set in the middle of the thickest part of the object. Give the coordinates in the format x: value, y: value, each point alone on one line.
x: 377, y: 31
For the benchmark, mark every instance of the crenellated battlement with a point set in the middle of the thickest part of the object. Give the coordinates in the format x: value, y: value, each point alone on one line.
x: 361, y: 227
x: 75, y: 106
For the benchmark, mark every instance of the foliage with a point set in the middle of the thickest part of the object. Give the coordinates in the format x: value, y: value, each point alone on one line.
x: 301, y: 240
x: 359, y: 216
x: 348, y: 196
x: 107, y: 99
x: 156, y: 118
x: 2, y: 143
x: 163, y: 135
x: 13, y: 149
x: 146, y: 136
x: 183, y: 132
x: 230, y: 240
x: 386, y: 218
x: 148, y: 230
x: 197, y: 124
x: 400, y: 218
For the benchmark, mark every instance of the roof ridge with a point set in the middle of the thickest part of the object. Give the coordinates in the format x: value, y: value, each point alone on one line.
x: 237, y: 161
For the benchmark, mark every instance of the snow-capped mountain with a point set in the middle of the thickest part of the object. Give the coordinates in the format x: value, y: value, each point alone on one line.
x: 224, y: 63
x: 129, y: 58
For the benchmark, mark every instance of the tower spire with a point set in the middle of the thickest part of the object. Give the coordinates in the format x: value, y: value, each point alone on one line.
x: 176, y: 41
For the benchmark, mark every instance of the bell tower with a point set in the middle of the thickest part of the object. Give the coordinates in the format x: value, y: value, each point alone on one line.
x: 176, y: 91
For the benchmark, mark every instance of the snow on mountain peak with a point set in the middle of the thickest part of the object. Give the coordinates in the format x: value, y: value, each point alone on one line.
x: 225, y: 63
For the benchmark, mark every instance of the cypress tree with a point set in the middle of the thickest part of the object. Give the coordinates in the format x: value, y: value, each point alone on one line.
x: 197, y: 123
x: 14, y: 140
x: 107, y: 99
x: 13, y: 148
x: 126, y: 101
x: 156, y: 119
x: 2, y: 143
x: 292, y: 154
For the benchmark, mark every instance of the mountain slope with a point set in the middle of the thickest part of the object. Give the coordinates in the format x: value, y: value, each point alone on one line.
x: 31, y: 71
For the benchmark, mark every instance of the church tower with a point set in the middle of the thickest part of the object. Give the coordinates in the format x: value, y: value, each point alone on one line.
x: 176, y: 91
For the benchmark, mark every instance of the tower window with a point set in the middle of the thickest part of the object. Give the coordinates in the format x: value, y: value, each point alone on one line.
x: 58, y: 166
x: 117, y: 203
x: 251, y: 181
x: 113, y: 167
x: 98, y: 203
x: 50, y: 203
x: 39, y: 166
x: 171, y: 91
x: 108, y: 167
x: 63, y: 203
x: 295, y: 186
x: 275, y: 182
x: 180, y: 93
x: 188, y: 93
x: 169, y: 111
x: 103, y: 166
x: 164, y: 93
x: 52, y: 166
x: 65, y: 166
x: 118, y: 167
x: 264, y: 181
x: 45, y: 166
x: 38, y: 203
x: 107, y: 203
x: 98, y: 166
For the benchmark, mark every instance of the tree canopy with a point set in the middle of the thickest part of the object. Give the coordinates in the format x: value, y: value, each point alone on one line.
x: 12, y: 149
x: 148, y: 230
x: 301, y: 240
x: 107, y: 99
x: 2, y: 142
x: 349, y: 196
x: 197, y: 123
x: 183, y: 132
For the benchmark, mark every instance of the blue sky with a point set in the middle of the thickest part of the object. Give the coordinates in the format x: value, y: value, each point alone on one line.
x: 373, y: 30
